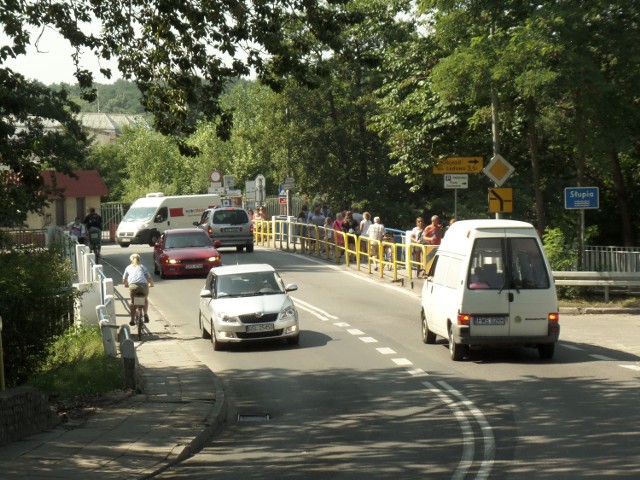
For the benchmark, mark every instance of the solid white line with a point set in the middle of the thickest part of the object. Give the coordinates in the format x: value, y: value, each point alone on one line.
x: 571, y: 347
x: 468, y: 438
x: 313, y: 307
x: 314, y: 313
x: 602, y: 357
x: 487, y: 432
x: 631, y: 367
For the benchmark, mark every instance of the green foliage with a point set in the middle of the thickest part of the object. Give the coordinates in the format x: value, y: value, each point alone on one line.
x: 562, y: 257
x: 37, y: 305
x: 76, y: 364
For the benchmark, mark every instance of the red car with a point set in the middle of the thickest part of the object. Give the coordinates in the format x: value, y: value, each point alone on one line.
x: 185, y: 251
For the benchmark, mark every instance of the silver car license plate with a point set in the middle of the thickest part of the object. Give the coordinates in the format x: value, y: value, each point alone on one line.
x: 232, y: 229
x: 489, y: 320
x: 260, y: 327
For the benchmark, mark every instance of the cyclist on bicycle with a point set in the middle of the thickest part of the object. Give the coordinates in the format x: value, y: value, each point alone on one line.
x: 93, y: 223
x: 137, y: 279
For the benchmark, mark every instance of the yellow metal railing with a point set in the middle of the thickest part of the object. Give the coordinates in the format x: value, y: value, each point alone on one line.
x: 388, y: 256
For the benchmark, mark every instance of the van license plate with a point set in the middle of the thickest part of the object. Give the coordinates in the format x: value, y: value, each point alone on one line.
x: 489, y: 320
x: 260, y: 327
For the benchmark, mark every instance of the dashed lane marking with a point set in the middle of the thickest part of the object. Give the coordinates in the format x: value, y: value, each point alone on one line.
x: 386, y: 351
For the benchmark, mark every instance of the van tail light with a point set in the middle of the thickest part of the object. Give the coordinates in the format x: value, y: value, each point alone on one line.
x: 464, y: 319
x: 553, y: 318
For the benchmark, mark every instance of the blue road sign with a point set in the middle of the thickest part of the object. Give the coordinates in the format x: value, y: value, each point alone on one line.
x: 581, y: 197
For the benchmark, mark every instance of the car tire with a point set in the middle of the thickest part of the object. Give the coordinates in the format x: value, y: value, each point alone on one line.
x: 156, y: 270
x: 162, y: 274
x: 217, y: 346
x: 124, y: 245
x: 457, y: 351
x: 293, y: 340
x: 203, y: 331
x: 428, y: 336
x: 249, y: 248
x: 239, y: 249
x: 546, y: 350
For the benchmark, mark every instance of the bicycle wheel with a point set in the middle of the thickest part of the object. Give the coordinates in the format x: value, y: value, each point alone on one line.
x: 140, y: 322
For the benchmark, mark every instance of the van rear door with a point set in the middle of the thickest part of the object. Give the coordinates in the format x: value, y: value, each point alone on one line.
x: 531, y: 288
x: 486, y: 299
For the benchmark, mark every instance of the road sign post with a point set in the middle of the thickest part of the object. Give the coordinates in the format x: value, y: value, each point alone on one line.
x: 456, y: 181
x: 581, y: 198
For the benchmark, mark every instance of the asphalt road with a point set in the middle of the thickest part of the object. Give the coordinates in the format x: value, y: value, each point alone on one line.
x: 363, y: 397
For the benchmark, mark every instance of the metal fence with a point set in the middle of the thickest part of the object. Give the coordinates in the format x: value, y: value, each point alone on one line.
x: 611, y: 259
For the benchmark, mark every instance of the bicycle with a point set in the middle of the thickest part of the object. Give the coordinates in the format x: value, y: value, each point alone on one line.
x: 138, y: 314
x: 95, y: 239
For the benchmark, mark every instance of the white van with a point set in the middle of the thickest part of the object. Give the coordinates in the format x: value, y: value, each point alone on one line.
x: 490, y: 283
x: 150, y: 216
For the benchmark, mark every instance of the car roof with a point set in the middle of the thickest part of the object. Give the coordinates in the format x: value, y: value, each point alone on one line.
x: 185, y: 230
x: 247, y: 268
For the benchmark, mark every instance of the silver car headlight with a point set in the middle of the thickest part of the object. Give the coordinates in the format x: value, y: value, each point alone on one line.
x: 288, y: 312
x: 226, y: 318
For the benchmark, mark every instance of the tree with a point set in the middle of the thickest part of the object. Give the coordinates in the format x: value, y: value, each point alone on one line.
x: 181, y: 56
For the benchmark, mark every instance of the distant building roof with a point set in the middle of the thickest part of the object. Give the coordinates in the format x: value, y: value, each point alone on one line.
x: 105, y: 123
x: 89, y: 183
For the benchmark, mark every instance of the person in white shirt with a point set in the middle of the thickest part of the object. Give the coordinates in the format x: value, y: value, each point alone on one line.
x: 78, y: 230
x: 375, y: 233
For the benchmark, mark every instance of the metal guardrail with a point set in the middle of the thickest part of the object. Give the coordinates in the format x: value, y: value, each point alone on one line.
x: 607, y: 280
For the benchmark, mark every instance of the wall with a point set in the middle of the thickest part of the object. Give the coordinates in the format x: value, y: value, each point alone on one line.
x: 24, y: 411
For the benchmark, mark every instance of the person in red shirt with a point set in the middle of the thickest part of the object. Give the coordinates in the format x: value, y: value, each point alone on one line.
x: 433, y: 233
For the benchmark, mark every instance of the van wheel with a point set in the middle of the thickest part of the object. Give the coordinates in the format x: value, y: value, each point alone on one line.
x: 427, y: 335
x: 155, y: 236
x: 239, y: 249
x: 546, y: 350
x: 124, y: 245
x: 456, y: 350
x: 249, y: 248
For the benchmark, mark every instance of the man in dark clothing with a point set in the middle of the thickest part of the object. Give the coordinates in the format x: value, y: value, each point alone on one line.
x: 93, y: 220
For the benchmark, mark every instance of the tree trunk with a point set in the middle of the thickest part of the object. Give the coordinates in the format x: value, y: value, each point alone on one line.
x: 534, y: 147
x: 628, y: 234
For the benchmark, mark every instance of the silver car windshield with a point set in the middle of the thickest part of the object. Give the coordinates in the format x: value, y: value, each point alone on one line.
x: 248, y: 285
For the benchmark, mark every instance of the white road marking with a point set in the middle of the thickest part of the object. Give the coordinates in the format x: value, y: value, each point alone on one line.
x: 571, y: 347
x: 386, y: 351
x: 341, y: 324
x: 417, y: 372
x: 402, y: 362
x: 355, y: 331
x: 487, y: 432
x: 368, y: 339
x: 468, y: 438
x: 310, y: 307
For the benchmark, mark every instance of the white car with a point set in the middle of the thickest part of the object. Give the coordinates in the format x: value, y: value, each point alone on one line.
x: 247, y: 303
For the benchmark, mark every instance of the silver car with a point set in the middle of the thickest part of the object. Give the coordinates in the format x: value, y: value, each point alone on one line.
x: 247, y: 303
x: 229, y: 225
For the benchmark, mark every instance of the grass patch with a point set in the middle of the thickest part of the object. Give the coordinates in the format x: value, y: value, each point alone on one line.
x: 76, y: 365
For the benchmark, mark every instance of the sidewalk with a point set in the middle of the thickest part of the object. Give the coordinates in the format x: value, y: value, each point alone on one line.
x: 181, y: 405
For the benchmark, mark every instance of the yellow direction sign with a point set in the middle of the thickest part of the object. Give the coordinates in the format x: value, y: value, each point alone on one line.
x: 458, y: 165
x: 500, y: 200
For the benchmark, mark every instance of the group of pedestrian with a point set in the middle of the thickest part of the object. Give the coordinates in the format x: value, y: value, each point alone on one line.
x: 80, y: 229
x: 425, y: 235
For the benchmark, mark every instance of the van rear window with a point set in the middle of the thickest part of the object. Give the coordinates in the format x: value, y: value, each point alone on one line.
x: 514, y: 263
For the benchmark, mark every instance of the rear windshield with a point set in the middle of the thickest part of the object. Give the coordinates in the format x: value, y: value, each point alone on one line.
x: 515, y: 263
x: 230, y: 217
